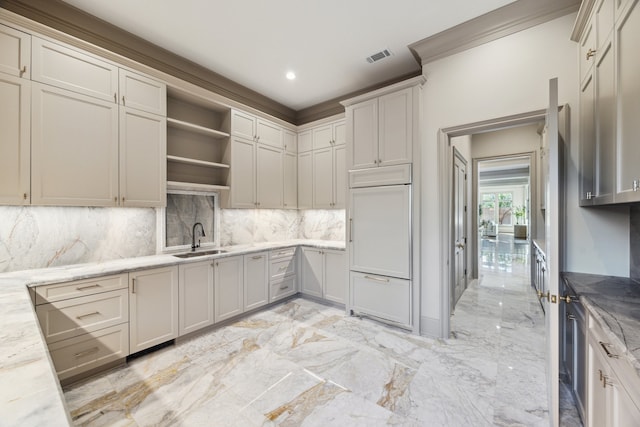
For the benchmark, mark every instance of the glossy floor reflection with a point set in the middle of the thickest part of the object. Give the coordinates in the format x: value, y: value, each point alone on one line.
x: 306, y: 364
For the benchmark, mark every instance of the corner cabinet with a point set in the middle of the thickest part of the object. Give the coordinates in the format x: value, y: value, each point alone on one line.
x: 607, y: 35
x: 153, y: 307
x: 324, y: 274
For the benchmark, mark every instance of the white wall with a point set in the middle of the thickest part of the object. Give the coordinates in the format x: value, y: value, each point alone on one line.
x: 505, y: 77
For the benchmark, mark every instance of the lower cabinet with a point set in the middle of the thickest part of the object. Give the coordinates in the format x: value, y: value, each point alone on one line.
x: 195, y: 296
x: 256, y: 280
x: 324, y: 274
x: 387, y: 298
x: 153, y: 307
x: 282, y: 273
x: 229, y: 288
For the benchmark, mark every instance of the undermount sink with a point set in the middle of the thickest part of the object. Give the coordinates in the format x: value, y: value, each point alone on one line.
x: 200, y: 253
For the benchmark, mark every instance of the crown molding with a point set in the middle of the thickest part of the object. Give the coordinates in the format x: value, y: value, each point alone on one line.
x: 581, y: 20
x: 77, y: 23
x: 502, y: 22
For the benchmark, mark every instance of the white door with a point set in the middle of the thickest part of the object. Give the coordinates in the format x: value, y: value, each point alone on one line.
x: 459, y: 227
x: 552, y: 238
x: 380, y: 230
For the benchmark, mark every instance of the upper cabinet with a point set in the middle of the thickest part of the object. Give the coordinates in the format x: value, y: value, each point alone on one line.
x: 609, y: 102
x: 142, y: 93
x: 251, y: 127
x: 381, y: 129
x: 15, y: 52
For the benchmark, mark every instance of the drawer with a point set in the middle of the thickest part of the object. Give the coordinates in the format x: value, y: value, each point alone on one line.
x: 69, y: 318
x: 59, y: 66
x: 383, y: 297
x: 281, y: 267
x: 61, y: 291
x: 282, y: 288
x: 85, y: 352
x: 282, y: 253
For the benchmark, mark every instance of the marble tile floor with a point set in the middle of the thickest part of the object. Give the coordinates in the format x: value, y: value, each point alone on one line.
x: 306, y: 364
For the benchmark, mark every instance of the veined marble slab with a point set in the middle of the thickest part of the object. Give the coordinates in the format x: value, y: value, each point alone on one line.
x: 30, y: 393
x: 615, y: 303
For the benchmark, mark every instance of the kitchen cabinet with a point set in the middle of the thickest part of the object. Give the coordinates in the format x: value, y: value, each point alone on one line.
x: 142, y: 93
x: 305, y: 180
x: 85, y: 323
x: 143, y: 172
x: 195, y: 296
x: 228, y: 287
x: 387, y: 298
x: 329, y: 135
x: 74, y: 149
x: 608, y: 99
x: 256, y: 280
x: 324, y: 274
x: 269, y: 177
x: 153, y: 305
x: 256, y: 129
x: 290, y: 180
x: 329, y: 177
x: 613, y: 384
x: 15, y: 52
x: 290, y: 141
x: 282, y: 273
x: 305, y: 141
x: 382, y: 130
x: 15, y: 140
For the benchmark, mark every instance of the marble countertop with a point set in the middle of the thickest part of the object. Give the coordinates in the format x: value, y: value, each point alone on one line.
x: 30, y: 394
x: 615, y: 304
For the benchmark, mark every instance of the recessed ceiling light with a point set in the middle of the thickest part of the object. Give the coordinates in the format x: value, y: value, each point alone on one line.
x: 291, y: 75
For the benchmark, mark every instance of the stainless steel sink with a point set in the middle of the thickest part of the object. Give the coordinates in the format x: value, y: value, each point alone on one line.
x: 200, y: 253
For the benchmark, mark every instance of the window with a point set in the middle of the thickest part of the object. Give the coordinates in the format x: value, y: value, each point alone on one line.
x: 496, y: 208
x: 183, y: 210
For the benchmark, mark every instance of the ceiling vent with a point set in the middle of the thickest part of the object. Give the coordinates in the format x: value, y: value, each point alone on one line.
x: 379, y: 56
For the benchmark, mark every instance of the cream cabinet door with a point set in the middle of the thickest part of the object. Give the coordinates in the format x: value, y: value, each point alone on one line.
x: 229, y: 287
x: 143, y: 154
x: 364, y: 131
x: 605, y: 124
x: 256, y: 280
x: 323, y: 178
x: 142, y: 93
x: 269, y: 184
x: 71, y: 69
x: 195, y: 296
x: 587, y: 141
x: 384, y: 297
x: 290, y: 140
x: 153, y: 305
x: 322, y: 136
x: 395, y: 128
x: 336, y: 276
x: 290, y: 180
x: 305, y: 180
x: 74, y: 149
x: 243, y: 125
x: 305, y: 141
x: 339, y: 176
x: 15, y: 140
x: 15, y: 52
x: 268, y: 133
x: 243, y: 173
x: 312, y: 272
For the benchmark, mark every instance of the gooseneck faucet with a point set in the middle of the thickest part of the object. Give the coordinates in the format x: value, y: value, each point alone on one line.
x: 193, y: 235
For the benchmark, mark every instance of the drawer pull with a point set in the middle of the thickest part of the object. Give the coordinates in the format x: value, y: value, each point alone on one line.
x: 282, y: 268
x: 257, y: 257
x: 377, y: 279
x: 86, y: 352
x: 282, y: 288
x: 82, y: 316
x: 84, y: 288
x: 606, y: 350
x: 284, y: 253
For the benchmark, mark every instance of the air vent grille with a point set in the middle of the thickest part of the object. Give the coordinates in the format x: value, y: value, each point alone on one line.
x: 378, y: 56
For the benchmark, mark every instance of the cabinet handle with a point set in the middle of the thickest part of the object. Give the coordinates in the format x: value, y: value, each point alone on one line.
x: 257, y: 257
x: 282, y: 268
x: 571, y: 316
x: 133, y: 286
x: 84, y: 288
x: 24, y: 196
x: 86, y: 352
x: 350, y: 229
x: 606, y: 350
x: 284, y: 287
x: 377, y: 279
x: 115, y: 97
x: 82, y: 316
x: 636, y: 184
x: 23, y: 70
x: 123, y: 100
x: 590, y: 53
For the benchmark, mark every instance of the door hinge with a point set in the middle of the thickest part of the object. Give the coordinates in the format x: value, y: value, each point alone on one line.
x: 465, y: 209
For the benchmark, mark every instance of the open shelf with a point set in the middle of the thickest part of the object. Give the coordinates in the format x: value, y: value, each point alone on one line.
x: 179, y: 124
x: 196, y: 162
x: 192, y: 186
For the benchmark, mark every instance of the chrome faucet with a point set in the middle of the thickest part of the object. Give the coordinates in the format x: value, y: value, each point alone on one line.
x: 193, y: 235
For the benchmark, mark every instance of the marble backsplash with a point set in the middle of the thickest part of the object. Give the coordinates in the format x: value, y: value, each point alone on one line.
x: 36, y: 237
x: 183, y: 211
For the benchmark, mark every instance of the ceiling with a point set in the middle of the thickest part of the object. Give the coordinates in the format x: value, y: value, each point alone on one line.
x: 504, y: 172
x: 325, y: 42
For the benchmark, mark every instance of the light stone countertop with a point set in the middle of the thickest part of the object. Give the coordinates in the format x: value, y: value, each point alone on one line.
x: 30, y: 394
x: 615, y: 304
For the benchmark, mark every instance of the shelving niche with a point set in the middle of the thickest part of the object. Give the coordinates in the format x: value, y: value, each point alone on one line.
x: 197, y: 143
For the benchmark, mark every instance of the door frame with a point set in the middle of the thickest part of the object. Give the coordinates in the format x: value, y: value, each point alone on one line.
x: 533, y: 194
x: 459, y: 156
x: 445, y: 156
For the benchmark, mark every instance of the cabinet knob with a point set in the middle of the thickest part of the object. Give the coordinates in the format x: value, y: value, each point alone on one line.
x: 591, y: 53
x: 23, y: 70
x: 24, y: 196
